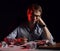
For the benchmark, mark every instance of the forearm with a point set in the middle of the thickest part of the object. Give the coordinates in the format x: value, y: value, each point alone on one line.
x: 45, y: 29
x: 47, y: 32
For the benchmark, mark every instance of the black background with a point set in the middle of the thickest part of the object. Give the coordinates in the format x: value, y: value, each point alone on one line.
x: 13, y: 13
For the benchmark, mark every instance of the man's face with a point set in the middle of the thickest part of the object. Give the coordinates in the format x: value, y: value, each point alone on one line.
x: 34, y: 16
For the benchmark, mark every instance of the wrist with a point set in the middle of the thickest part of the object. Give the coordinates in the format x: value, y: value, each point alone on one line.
x: 43, y: 26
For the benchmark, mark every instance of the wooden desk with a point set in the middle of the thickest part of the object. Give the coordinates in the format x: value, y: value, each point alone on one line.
x: 17, y: 48
x: 41, y: 48
x: 57, y: 46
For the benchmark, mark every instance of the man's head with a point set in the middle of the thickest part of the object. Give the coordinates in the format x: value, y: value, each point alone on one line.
x: 33, y: 12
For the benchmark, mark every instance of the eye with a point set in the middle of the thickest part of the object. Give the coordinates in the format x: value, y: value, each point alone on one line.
x: 37, y: 15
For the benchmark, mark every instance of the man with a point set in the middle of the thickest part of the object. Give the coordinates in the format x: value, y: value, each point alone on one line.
x: 35, y: 29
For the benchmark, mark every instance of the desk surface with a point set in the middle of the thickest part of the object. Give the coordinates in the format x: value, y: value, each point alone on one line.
x: 17, y: 48
x: 56, y: 46
x: 42, y: 48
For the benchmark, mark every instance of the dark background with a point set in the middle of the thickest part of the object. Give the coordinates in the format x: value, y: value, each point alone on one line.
x: 13, y: 13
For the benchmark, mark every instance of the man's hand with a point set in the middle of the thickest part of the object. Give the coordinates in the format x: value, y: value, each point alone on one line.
x: 40, y: 21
